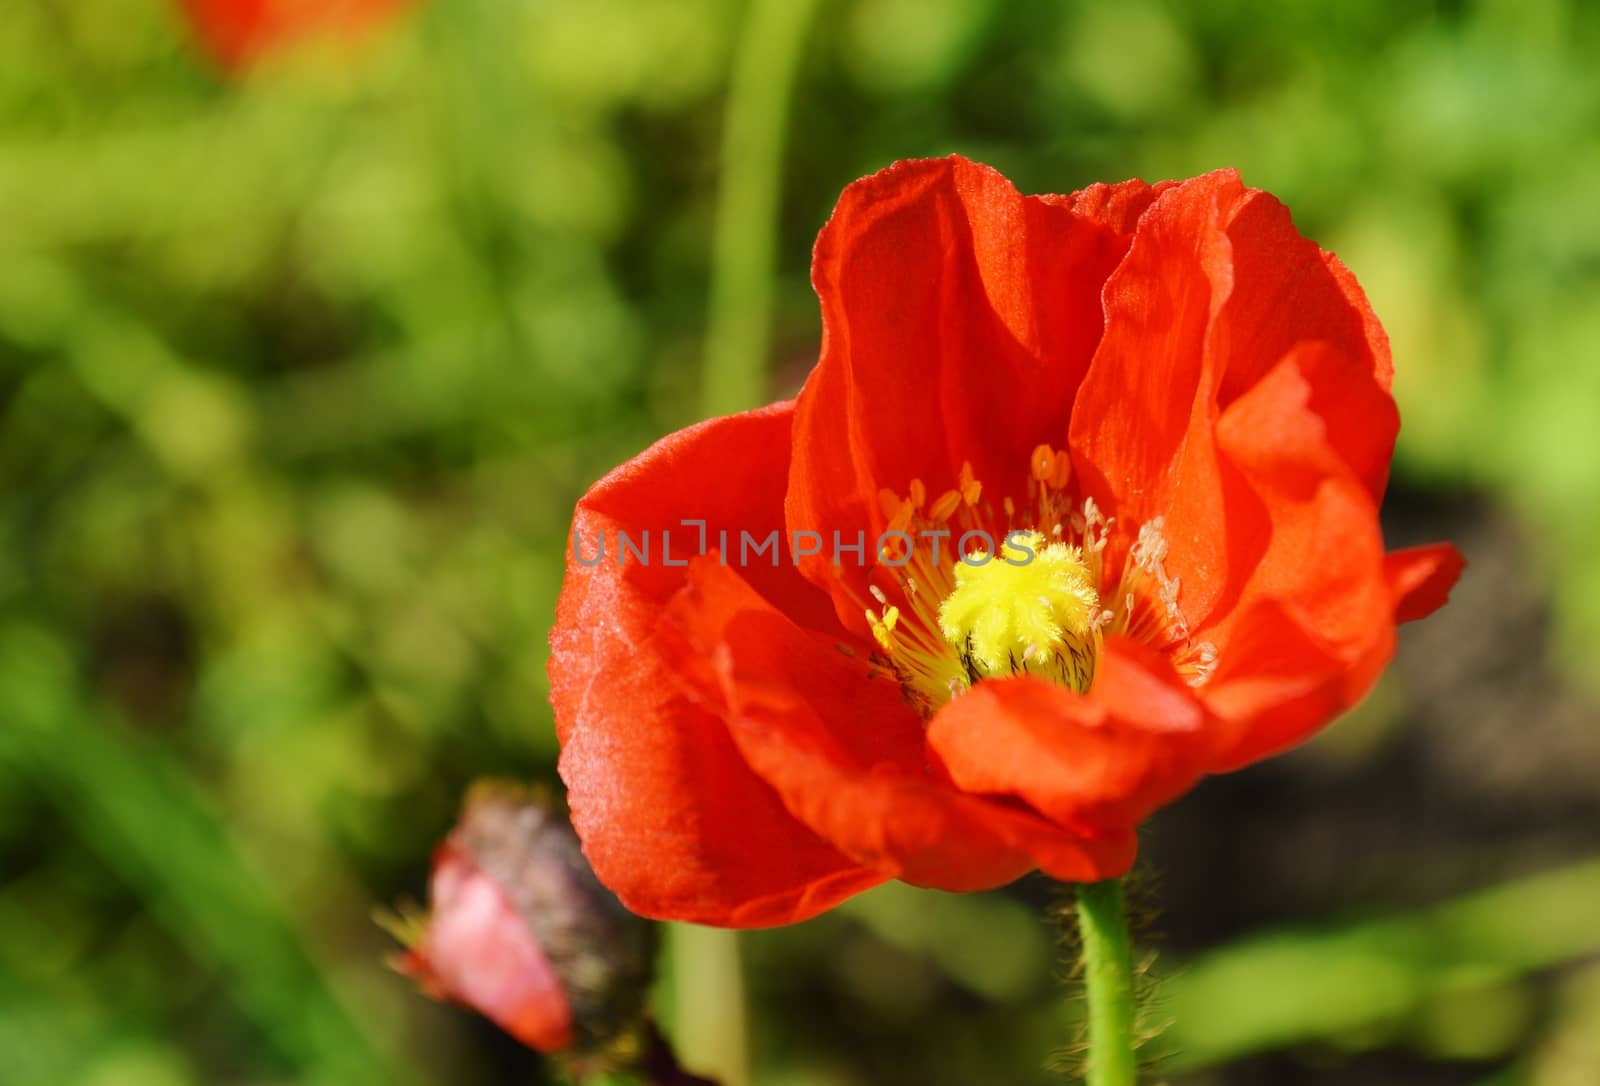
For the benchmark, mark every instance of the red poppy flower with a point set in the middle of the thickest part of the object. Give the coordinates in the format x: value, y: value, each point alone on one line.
x: 1169, y: 413
x: 237, y: 32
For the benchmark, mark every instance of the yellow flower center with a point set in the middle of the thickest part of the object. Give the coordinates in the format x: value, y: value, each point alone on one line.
x: 945, y: 616
x: 1030, y: 609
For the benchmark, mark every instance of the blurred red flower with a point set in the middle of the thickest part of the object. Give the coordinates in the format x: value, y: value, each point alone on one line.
x: 1178, y: 408
x: 237, y: 32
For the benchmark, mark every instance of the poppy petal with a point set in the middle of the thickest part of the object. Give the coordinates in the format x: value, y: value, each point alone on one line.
x: 1313, y: 626
x: 1420, y: 578
x: 1284, y: 682
x: 1116, y: 205
x: 671, y: 818
x: 1145, y: 414
x: 1286, y: 292
x: 958, y: 319
x: 479, y: 951
x: 1106, y: 759
x: 1288, y: 289
x: 1217, y: 287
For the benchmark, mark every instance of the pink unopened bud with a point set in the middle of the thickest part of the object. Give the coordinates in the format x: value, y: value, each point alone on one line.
x: 521, y: 931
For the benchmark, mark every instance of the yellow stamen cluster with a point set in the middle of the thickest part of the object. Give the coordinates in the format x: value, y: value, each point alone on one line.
x: 944, y: 620
x: 1031, y: 609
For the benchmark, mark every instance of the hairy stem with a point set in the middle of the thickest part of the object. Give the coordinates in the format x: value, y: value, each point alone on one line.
x: 1108, y: 977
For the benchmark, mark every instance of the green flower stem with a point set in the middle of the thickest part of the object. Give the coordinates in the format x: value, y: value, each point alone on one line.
x: 746, y: 230
x: 709, y: 1001
x: 659, y: 1066
x: 1108, y: 977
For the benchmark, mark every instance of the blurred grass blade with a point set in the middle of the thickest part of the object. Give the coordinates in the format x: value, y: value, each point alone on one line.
x: 737, y: 339
x: 140, y: 812
x: 1288, y: 988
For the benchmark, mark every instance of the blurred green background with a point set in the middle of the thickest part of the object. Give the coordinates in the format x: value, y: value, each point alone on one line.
x: 302, y: 371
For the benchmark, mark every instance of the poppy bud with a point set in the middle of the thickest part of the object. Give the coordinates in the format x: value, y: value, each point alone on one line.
x: 522, y: 932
